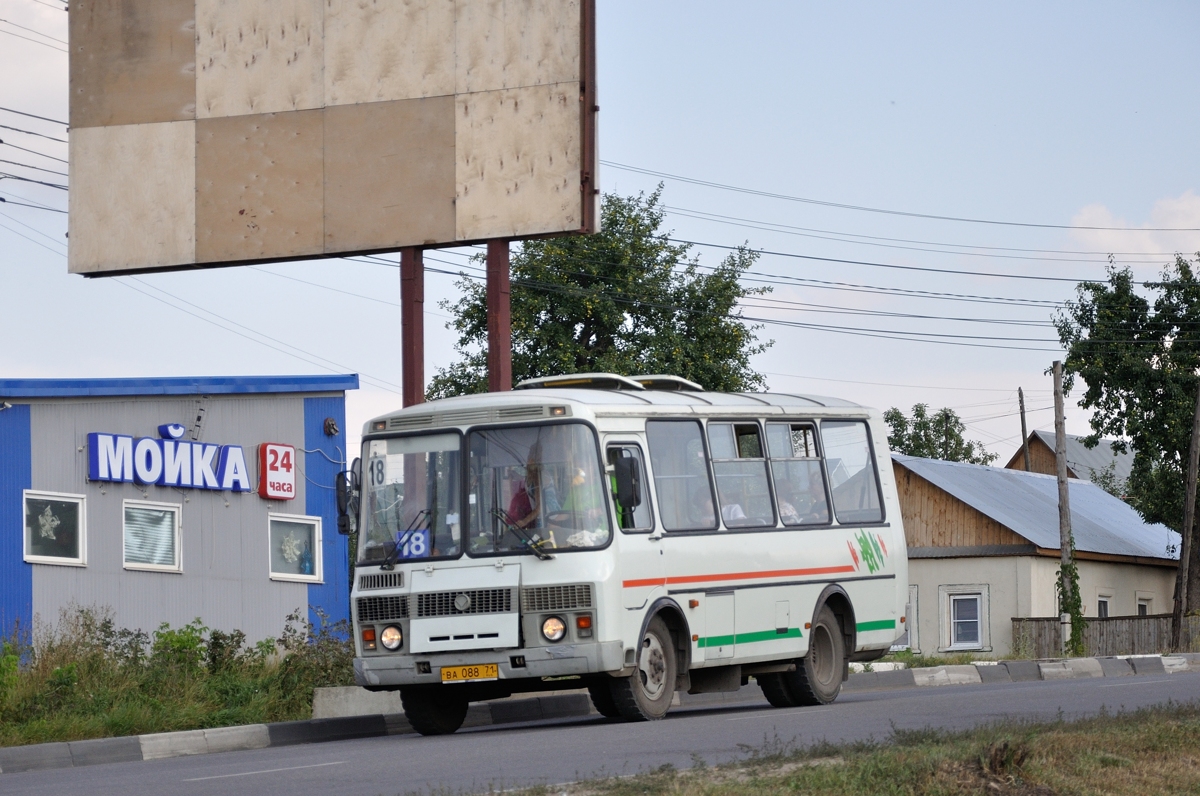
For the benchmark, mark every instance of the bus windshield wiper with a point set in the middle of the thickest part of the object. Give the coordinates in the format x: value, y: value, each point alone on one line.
x: 389, y: 563
x: 534, y: 545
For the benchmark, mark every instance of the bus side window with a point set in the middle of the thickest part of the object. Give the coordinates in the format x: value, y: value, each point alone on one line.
x: 681, y: 482
x: 741, y: 470
x: 796, y: 466
x: 638, y: 518
x: 851, y: 471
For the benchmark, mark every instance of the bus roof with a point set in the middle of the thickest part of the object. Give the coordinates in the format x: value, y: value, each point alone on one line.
x: 531, y: 404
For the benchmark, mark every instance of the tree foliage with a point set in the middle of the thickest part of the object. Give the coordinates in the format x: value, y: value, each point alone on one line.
x: 1137, y: 353
x: 936, y: 436
x: 625, y: 300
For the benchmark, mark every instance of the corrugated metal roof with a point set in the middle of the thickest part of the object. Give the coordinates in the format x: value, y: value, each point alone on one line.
x: 175, y: 385
x: 1027, y: 504
x: 1083, y: 461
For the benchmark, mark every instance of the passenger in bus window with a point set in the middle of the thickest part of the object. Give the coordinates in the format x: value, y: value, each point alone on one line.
x: 817, y: 509
x: 700, y: 508
x: 533, y: 501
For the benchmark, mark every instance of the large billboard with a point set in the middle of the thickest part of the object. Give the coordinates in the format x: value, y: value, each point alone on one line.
x: 221, y: 132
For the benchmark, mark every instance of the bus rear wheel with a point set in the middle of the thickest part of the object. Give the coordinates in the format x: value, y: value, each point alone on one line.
x: 647, y: 693
x: 432, y: 711
x: 602, y: 699
x: 818, y: 676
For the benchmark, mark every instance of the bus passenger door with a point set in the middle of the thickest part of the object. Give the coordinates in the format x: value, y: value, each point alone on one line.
x: 719, y: 616
x: 641, y: 552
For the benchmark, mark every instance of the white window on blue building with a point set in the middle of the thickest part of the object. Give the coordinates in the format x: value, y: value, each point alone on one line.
x: 296, y: 548
x: 151, y: 536
x: 55, y: 528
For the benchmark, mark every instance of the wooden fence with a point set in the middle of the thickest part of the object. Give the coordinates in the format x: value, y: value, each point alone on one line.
x: 1040, y: 637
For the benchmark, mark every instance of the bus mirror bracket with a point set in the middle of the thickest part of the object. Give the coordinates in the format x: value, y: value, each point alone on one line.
x: 629, y: 482
x: 346, y: 488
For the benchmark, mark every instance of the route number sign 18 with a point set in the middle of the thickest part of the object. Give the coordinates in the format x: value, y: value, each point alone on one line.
x: 276, y: 471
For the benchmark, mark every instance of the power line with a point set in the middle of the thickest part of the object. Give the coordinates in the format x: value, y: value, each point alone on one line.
x: 35, y: 41
x: 33, y: 116
x: 5, y: 175
x: 38, y: 206
x: 33, y: 152
x: 885, y: 384
x: 47, y: 5
x: 35, y: 207
x: 35, y: 229
x: 35, y: 168
x: 30, y: 132
x: 769, y: 195
x: 31, y: 30
x: 31, y: 240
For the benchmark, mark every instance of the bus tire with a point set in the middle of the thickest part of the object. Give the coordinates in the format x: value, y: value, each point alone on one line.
x: 776, y: 690
x: 602, y: 699
x: 647, y: 693
x: 818, y: 676
x: 430, y: 711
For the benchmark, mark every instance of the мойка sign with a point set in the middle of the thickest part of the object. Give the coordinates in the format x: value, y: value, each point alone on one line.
x: 167, y: 461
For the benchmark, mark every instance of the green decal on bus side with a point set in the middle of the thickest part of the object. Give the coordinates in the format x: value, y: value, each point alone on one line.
x: 747, y: 638
x: 881, y: 624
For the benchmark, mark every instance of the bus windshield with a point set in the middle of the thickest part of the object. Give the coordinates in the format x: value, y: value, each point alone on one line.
x: 535, y: 489
x: 412, y: 498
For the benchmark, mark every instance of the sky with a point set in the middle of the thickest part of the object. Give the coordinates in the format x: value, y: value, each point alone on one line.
x: 757, y: 118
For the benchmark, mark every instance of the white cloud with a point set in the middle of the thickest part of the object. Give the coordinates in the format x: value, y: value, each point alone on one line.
x: 1182, y: 212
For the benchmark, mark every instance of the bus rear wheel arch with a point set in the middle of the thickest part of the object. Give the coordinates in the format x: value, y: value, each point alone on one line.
x: 817, y: 679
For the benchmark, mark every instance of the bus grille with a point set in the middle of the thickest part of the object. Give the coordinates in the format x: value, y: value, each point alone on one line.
x: 382, y: 609
x: 556, y: 598
x: 482, y: 601
x: 384, y: 580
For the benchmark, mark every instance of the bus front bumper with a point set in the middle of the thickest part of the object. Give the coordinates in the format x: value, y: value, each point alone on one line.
x: 557, y: 661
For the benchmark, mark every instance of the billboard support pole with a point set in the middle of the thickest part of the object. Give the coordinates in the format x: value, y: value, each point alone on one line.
x: 499, y: 315
x: 412, y: 326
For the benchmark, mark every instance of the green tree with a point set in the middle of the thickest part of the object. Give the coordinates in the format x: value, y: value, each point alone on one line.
x: 625, y: 300
x: 936, y: 436
x: 1137, y: 353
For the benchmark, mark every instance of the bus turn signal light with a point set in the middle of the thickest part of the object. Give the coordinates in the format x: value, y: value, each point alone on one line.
x: 808, y: 625
x: 583, y: 624
x: 368, y: 638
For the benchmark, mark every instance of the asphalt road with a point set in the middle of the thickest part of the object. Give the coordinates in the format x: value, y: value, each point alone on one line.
x: 495, y: 758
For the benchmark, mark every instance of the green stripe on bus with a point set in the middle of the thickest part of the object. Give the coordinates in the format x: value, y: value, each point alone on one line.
x: 748, y: 638
x: 881, y: 624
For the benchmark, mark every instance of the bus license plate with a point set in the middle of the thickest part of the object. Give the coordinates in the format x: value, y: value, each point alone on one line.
x: 470, y: 674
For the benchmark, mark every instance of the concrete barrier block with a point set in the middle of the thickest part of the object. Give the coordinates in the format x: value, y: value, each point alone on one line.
x: 511, y: 711
x: 930, y: 676
x: 343, y: 701
x: 1022, y: 671
x: 962, y: 675
x: 1193, y: 659
x: 1115, y: 667
x: 564, y: 705
x: 993, y: 674
x: 899, y: 678
x: 1085, y: 667
x: 867, y: 681
x: 233, y: 739
x: 105, y: 750
x: 1147, y: 664
x: 1056, y: 670
x: 289, y: 733
x: 397, y: 724
x: 1174, y: 664
x: 37, y: 757
x: 173, y: 744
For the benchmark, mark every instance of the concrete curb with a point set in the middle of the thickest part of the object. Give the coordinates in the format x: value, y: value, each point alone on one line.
x: 160, y: 746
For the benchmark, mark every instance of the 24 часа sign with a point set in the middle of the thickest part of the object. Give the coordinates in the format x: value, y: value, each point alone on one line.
x: 168, y: 461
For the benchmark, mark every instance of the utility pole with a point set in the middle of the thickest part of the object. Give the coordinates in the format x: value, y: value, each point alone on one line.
x: 1064, y: 499
x: 1024, y: 432
x: 499, y: 317
x: 412, y: 326
x: 1185, y: 547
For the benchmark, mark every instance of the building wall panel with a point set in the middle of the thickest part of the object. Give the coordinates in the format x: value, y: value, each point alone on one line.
x: 324, y: 457
x: 132, y: 62
x: 259, y: 186
x: 516, y: 43
x: 517, y: 162
x: 16, y: 577
x: 258, y: 56
x: 224, y: 535
x: 933, y: 518
x: 389, y: 174
x: 383, y: 50
x: 133, y: 196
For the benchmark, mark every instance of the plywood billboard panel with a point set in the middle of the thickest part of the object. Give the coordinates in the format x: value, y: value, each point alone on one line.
x: 330, y: 127
x: 259, y: 190
x: 389, y: 173
x: 132, y: 61
x: 131, y: 185
x: 382, y: 50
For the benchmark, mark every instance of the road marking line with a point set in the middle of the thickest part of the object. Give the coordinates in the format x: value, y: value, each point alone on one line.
x: 1143, y: 682
x: 264, y: 771
x: 773, y: 715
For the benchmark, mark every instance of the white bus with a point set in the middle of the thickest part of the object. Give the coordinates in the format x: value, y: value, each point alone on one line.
x: 631, y: 536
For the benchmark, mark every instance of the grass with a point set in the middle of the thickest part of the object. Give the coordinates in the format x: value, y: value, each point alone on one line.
x: 1150, y: 751
x: 919, y: 661
x: 85, y: 678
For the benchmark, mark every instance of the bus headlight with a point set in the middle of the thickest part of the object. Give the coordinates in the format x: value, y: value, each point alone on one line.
x: 554, y: 628
x: 391, y: 638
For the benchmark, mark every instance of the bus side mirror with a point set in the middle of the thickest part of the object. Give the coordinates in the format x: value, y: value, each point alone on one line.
x: 346, y: 489
x: 629, y: 482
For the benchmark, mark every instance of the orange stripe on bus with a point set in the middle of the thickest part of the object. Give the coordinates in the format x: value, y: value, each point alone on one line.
x: 777, y: 573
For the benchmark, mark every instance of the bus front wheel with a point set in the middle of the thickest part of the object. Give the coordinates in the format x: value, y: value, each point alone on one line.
x: 818, y: 676
x: 432, y: 711
x: 647, y: 693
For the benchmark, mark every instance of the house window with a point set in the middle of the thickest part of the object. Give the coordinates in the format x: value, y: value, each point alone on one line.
x: 1144, y: 607
x: 1102, y: 608
x: 55, y: 528
x: 151, y: 536
x: 965, y: 617
x: 296, y: 548
x: 1145, y: 602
